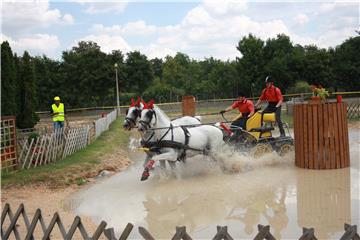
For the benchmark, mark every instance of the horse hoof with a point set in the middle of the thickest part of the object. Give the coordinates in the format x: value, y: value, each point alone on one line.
x: 145, y: 176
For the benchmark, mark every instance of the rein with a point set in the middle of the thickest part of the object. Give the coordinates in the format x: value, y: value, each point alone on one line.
x: 191, y: 125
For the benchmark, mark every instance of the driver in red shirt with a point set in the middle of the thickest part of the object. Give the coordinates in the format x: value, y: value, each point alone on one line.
x: 273, y: 96
x: 245, y: 107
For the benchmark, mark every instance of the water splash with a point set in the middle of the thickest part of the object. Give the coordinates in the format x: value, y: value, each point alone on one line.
x: 134, y: 143
x: 232, y: 160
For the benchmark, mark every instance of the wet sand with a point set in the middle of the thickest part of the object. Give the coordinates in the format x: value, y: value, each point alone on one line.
x: 269, y: 191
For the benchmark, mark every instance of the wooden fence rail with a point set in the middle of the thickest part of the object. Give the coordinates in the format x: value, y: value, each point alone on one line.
x: 11, y: 228
x: 353, y: 110
x: 47, y: 230
x: 8, y: 143
x: 52, y: 147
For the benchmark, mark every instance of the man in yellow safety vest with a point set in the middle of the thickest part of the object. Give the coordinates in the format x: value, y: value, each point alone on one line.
x: 58, y: 113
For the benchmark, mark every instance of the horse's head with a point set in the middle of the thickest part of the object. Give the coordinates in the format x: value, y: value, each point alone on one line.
x: 132, y: 114
x: 148, y: 117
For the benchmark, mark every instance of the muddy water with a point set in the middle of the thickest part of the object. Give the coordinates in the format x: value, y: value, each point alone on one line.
x: 199, y: 196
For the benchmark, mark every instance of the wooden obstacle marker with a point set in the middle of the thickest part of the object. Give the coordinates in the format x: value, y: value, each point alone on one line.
x: 321, y: 136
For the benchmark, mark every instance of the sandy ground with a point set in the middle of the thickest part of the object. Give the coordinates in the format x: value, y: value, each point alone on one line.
x: 354, y: 124
x: 52, y: 200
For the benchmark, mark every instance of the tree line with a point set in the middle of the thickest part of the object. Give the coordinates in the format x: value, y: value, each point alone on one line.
x: 85, y: 76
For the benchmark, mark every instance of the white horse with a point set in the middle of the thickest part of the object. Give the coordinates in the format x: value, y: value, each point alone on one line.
x: 133, y: 115
x: 172, y: 143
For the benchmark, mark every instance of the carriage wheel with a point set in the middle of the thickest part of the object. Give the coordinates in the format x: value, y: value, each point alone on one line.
x: 260, y: 149
x: 285, y: 148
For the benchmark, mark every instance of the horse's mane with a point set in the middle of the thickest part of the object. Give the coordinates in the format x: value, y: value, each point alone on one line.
x: 162, y: 113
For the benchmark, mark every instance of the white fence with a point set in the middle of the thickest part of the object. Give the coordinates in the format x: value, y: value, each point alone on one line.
x: 102, y: 124
x: 43, y: 148
x: 52, y: 147
x: 76, y: 139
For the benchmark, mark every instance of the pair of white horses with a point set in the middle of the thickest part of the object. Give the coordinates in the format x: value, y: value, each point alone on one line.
x: 168, y: 139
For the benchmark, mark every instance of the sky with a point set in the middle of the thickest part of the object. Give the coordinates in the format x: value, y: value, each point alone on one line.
x: 200, y: 29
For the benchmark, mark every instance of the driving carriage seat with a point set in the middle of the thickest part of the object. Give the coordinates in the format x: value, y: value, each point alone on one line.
x: 256, y: 124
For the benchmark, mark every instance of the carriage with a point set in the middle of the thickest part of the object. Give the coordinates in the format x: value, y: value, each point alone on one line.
x: 166, y: 140
x: 257, y: 139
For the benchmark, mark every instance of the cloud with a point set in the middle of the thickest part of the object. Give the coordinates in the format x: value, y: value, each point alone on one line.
x: 301, y: 19
x: 19, y: 18
x: 129, y: 29
x: 327, y: 7
x: 106, y: 42
x: 36, y: 44
x: 205, y: 30
x: 104, y: 7
x: 155, y: 51
x: 68, y: 19
x: 335, y: 37
x: 224, y: 7
x: 197, y: 16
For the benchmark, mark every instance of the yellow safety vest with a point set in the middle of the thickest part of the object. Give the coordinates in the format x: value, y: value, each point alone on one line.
x: 61, y: 116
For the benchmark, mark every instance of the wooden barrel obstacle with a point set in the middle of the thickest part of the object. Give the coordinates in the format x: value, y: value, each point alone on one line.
x: 321, y: 136
x: 188, y: 106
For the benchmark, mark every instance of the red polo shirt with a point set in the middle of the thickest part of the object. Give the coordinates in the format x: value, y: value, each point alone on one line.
x: 246, y: 106
x: 271, y: 94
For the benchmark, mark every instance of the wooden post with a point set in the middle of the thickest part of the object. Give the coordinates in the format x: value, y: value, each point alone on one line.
x: 188, y: 106
x: 321, y: 136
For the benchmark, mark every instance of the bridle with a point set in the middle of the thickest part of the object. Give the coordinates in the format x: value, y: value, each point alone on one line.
x: 152, y: 113
x: 132, y: 121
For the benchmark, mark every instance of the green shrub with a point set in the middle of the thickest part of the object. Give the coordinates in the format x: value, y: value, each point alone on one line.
x: 300, y: 87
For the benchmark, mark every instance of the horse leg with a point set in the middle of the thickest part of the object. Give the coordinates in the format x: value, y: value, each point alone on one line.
x: 172, y: 164
x: 162, y: 164
x: 170, y: 155
x: 147, y: 159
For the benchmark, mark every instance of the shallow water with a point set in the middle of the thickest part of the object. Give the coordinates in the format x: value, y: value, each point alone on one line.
x: 269, y: 191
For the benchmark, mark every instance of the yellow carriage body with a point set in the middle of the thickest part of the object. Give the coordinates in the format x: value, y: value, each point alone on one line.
x: 256, y: 121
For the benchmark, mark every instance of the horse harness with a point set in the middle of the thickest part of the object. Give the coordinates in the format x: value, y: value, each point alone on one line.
x: 155, y: 146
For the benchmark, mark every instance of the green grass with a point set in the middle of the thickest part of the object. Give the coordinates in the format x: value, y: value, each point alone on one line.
x: 354, y: 119
x: 71, y: 169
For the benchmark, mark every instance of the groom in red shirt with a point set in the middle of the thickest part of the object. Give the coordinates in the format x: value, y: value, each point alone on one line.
x: 245, y: 107
x: 273, y: 96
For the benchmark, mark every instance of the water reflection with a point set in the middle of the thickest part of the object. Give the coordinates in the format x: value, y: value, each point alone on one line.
x: 227, y: 199
x: 268, y: 203
x: 323, y: 200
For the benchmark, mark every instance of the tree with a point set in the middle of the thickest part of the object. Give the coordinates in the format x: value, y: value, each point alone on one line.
x: 8, y: 81
x: 251, y: 65
x: 87, y: 75
x: 346, y: 64
x: 278, y: 53
x: 138, y: 72
x: 27, y: 118
x: 317, y: 66
x: 157, y: 65
x: 48, y: 81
